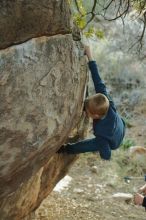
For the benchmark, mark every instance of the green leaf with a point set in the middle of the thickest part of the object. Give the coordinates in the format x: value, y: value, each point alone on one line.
x: 80, y: 21
x: 90, y: 32
x: 99, y: 34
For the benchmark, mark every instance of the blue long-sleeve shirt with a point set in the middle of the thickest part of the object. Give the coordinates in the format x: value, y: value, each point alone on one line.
x: 109, y: 131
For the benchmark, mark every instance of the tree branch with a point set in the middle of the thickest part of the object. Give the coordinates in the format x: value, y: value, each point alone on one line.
x: 122, y: 8
x: 77, y: 6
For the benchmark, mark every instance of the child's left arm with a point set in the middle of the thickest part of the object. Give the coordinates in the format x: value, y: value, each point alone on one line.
x: 90, y: 145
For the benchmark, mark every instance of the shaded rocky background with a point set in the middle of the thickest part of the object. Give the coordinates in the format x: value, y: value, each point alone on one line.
x: 42, y: 86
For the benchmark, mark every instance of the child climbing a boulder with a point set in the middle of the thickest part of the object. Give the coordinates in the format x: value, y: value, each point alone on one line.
x: 108, y: 126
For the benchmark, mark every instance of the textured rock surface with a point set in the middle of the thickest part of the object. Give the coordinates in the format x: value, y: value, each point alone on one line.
x: 42, y: 84
x: 41, y: 90
x: 22, y: 20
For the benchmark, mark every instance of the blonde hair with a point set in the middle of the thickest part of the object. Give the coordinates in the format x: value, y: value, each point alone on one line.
x: 97, y: 104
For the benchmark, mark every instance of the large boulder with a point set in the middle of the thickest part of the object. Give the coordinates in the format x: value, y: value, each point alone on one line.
x: 42, y: 87
x: 25, y: 19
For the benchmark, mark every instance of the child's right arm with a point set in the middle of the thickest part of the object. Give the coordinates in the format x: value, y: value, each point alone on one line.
x: 98, y: 83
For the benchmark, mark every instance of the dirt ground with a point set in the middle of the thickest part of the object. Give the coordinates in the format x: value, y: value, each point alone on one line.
x: 89, y: 195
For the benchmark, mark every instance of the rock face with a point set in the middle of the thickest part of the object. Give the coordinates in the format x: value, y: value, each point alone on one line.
x: 22, y: 20
x: 42, y: 86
